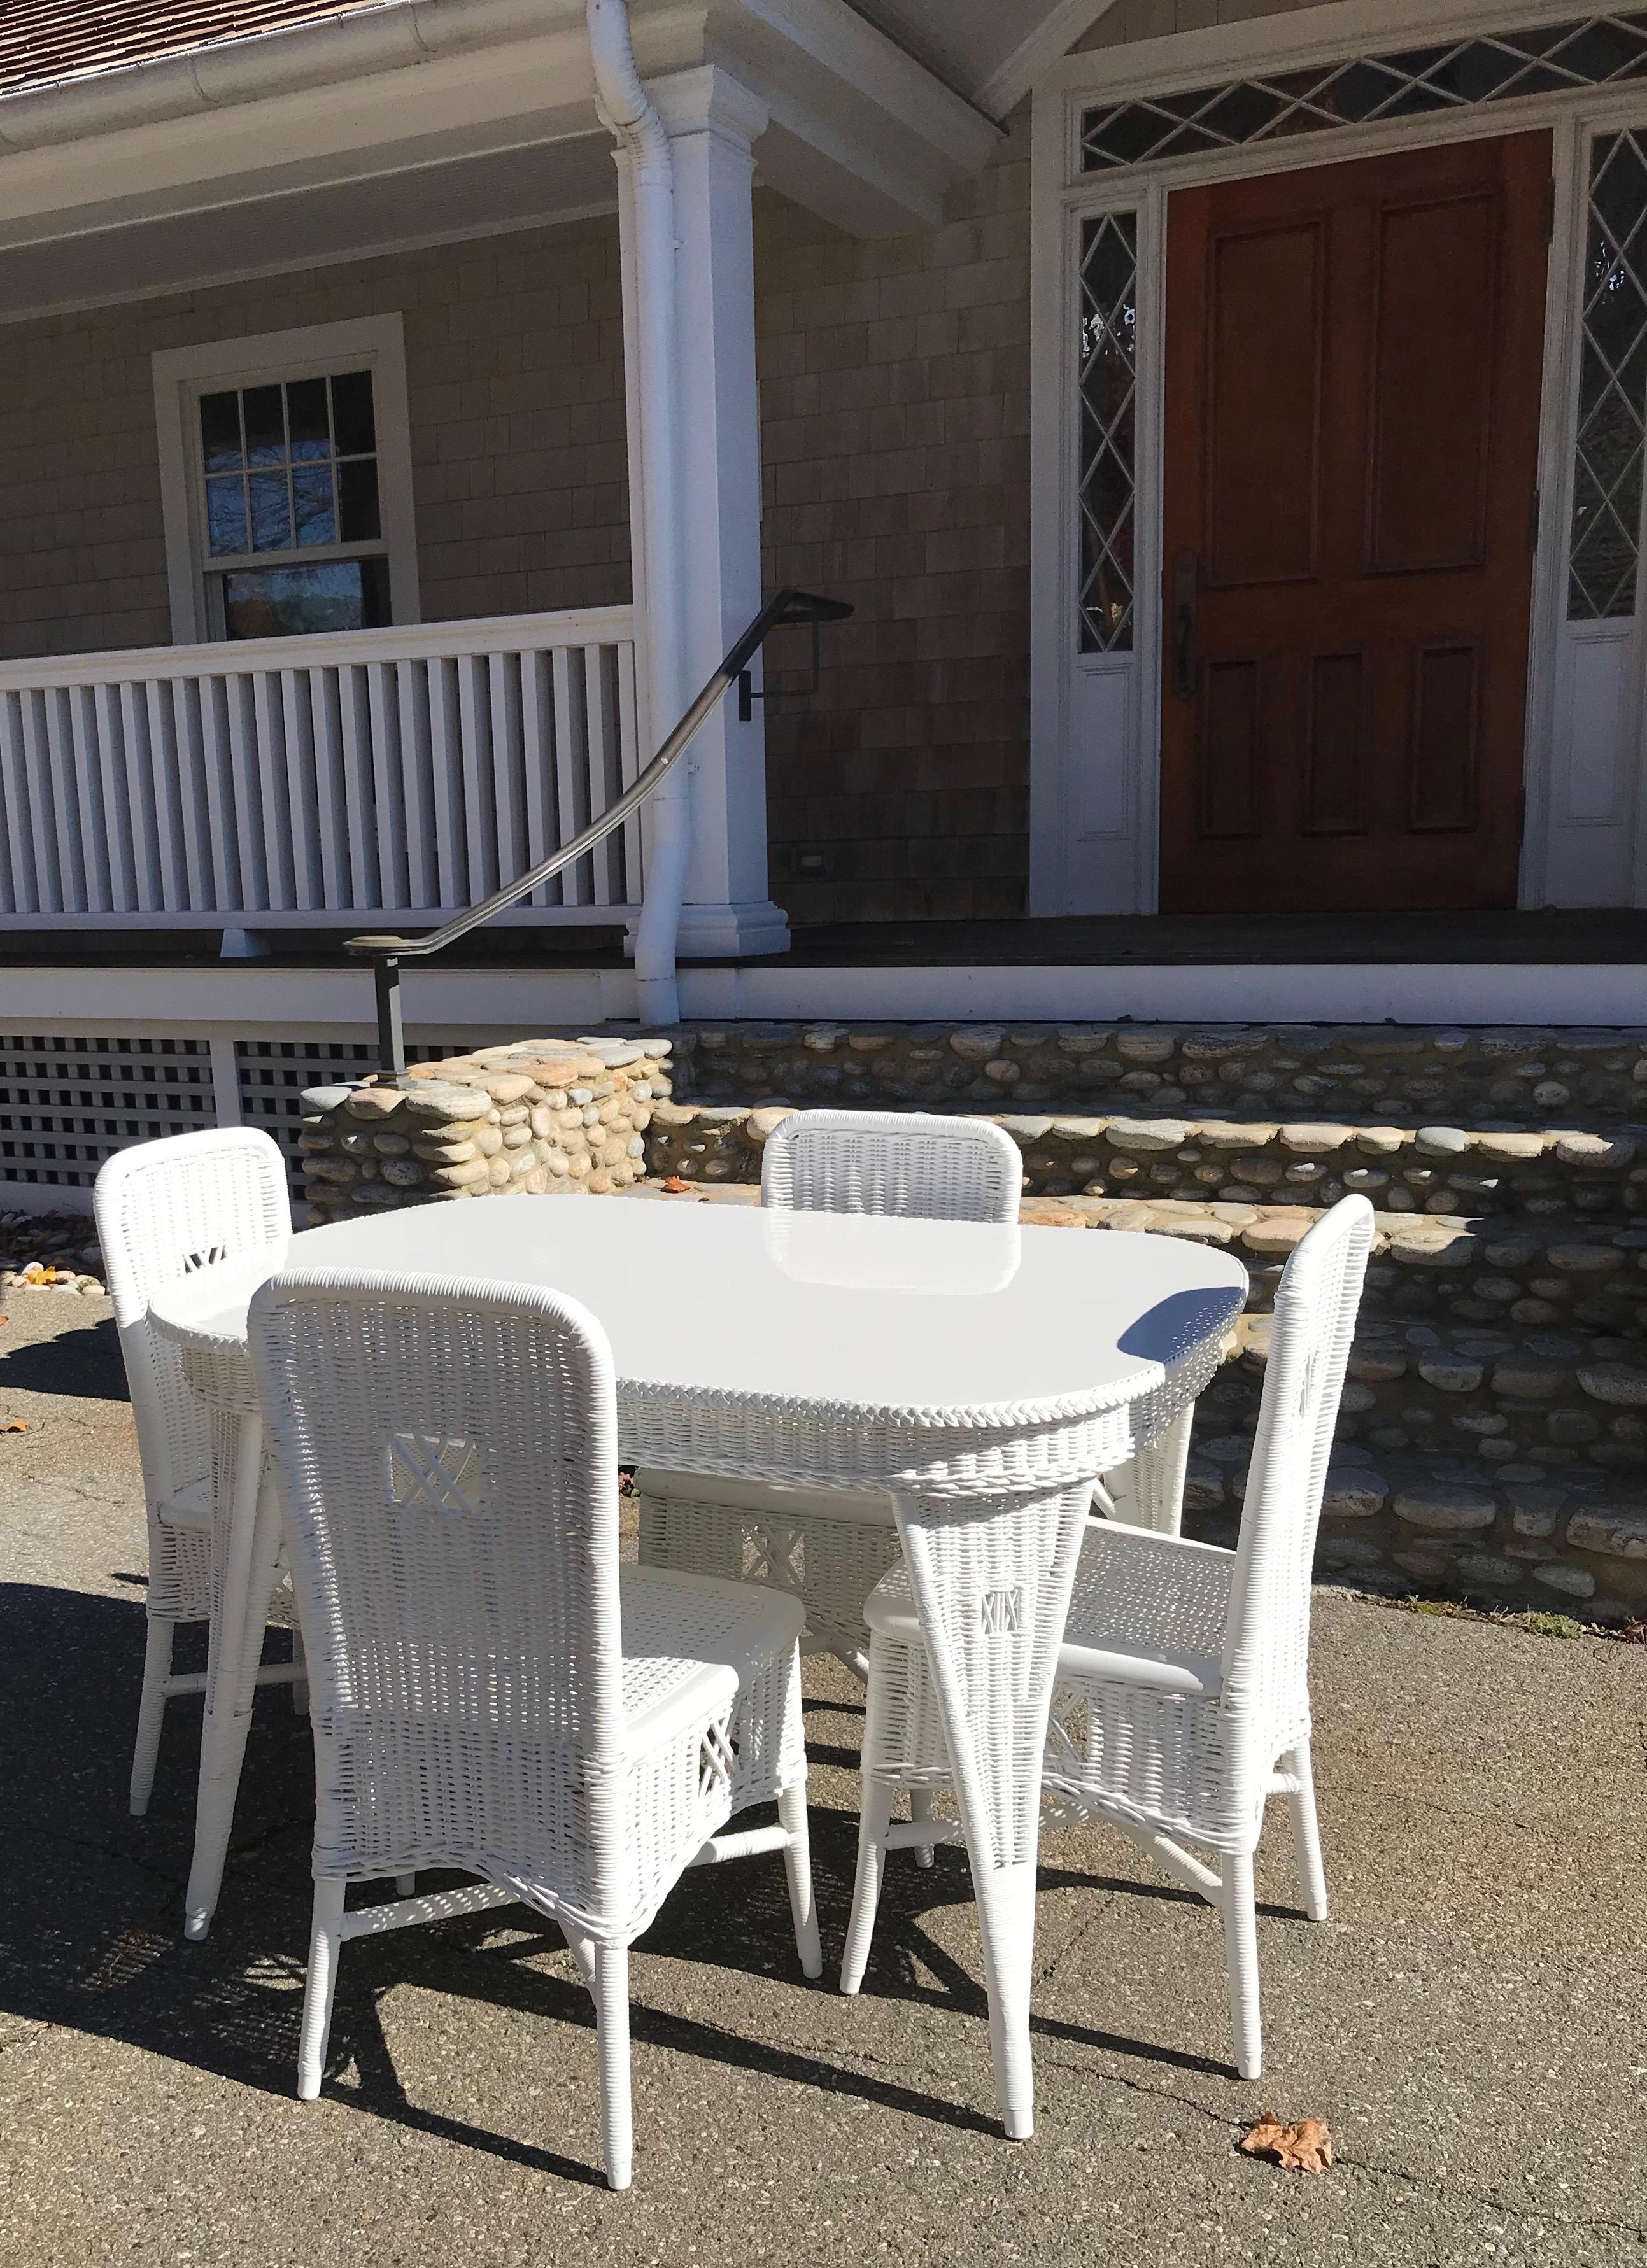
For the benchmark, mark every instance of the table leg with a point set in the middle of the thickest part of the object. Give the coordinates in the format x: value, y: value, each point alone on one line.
x: 246, y: 1550
x: 992, y: 1579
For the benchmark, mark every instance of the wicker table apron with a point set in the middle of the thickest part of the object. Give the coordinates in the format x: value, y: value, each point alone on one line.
x: 983, y: 1375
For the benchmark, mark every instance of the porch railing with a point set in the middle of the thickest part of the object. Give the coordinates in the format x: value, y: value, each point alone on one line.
x: 293, y: 781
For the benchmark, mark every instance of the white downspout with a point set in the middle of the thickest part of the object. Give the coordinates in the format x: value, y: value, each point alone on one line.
x: 630, y: 113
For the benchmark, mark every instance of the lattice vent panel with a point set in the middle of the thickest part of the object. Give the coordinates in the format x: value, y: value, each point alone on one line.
x: 68, y: 1100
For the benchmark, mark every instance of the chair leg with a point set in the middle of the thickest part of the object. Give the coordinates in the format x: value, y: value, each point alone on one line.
x: 873, y: 1822
x: 791, y: 1817
x: 1306, y: 1833
x: 920, y: 1809
x: 1240, y: 1915
x: 611, y: 2033
x: 326, y: 1944
x: 157, y: 1668
x: 300, y: 1686
x: 405, y: 1885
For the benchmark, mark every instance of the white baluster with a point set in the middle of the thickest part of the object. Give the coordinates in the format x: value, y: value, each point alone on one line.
x: 383, y: 700
x: 572, y: 775
x: 599, y: 711
x: 240, y: 695
x: 23, y: 892
x: 81, y: 720
x: 446, y: 765
x: 43, y: 803
x: 475, y: 715
x: 194, y: 812
x: 326, y: 732
x: 70, y: 818
x: 537, y: 756
x: 269, y: 721
x: 216, y: 764
x: 503, y: 673
x: 354, y: 725
x: 111, y: 756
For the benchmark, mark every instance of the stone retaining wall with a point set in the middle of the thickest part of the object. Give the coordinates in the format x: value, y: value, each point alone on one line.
x: 1493, y: 1439
x: 553, y: 1117
x: 1364, y: 1073
x: 1423, y: 1169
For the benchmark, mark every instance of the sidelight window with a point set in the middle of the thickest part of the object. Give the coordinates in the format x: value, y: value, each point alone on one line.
x: 1607, y: 456
x: 1108, y: 395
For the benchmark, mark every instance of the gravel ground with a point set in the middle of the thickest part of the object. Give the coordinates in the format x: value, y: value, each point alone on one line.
x: 1469, y: 2022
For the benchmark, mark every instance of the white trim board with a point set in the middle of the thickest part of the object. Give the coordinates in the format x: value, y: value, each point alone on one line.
x: 252, y: 1000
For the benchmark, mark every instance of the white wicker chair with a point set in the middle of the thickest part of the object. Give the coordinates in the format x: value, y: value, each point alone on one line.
x: 829, y: 1548
x: 489, y: 1691
x: 1183, y: 1677
x: 164, y: 1209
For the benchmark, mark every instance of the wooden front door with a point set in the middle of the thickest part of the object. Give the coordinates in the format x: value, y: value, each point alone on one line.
x: 1352, y: 359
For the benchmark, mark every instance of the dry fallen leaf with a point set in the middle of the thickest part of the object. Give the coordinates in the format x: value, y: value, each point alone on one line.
x: 16, y: 1426
x: 675, y: 1186
x: 1303, y: 2147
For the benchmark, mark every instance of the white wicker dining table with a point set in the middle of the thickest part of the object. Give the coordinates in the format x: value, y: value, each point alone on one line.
x: 983, y: 1375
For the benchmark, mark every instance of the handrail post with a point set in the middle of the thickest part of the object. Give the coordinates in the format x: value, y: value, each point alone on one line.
x: 386, y: 972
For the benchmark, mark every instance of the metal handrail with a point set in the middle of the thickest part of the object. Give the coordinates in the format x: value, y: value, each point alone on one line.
x: 386, y: 953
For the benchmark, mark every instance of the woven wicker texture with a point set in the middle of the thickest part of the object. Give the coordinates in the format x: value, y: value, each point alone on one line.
x: 901, y: 1163
x: 832, y: 1554
x: 488, y: 1691
x: 1183, y: 1675
x: 166, y: 1209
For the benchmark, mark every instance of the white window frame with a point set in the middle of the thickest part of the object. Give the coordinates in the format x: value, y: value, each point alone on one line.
x: 1096, y: 718
x: 182, y: 374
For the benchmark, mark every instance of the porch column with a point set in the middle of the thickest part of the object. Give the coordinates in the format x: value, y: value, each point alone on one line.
x: 712, y: 122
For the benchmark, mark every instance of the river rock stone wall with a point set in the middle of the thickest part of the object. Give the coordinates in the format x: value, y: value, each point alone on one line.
x: 550, y: 1118
x: 1415, y: 1075
x: 1492, y: 1438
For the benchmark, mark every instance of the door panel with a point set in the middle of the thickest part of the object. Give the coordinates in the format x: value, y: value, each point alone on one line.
x: 1352, y: 402
x: 1265, y: 407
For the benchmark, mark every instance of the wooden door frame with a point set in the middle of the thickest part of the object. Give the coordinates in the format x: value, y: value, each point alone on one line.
x: 1095, y: 729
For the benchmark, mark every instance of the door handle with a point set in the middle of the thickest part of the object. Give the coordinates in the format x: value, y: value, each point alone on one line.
x: 1185, y: 656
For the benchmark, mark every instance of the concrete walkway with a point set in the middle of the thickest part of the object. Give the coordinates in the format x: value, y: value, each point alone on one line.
x: 1471, y: 2022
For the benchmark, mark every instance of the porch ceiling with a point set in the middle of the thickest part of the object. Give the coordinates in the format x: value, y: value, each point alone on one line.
x: 348, y: 129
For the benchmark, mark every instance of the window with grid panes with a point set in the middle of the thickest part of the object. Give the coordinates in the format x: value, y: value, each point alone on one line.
x: 293, y: 530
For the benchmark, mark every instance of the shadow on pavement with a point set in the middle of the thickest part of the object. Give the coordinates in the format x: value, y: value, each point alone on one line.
x: 91, y: 1904
x: 83, y: 1363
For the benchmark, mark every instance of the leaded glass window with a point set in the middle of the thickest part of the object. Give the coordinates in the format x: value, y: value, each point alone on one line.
x: 1449, y: 75
x: 1109, y: 406
x: 1612, y: 385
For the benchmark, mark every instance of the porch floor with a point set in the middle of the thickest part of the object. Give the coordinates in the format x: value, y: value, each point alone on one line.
x: 1555, y: 937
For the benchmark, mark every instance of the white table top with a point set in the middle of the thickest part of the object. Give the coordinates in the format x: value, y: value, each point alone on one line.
x: 938, y: 1319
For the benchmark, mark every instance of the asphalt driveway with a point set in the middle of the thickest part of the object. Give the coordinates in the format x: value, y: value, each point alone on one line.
x: 1471, y: 2022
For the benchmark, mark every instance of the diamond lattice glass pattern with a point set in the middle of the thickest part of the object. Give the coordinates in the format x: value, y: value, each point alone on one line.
x: 1109, y: 398
x: 1607, y: 450
x: 1453, y: 75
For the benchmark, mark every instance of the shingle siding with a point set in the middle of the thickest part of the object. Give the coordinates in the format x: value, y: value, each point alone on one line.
x: 514, y: 373
x: 895, y: 399
x: 894, y: 387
